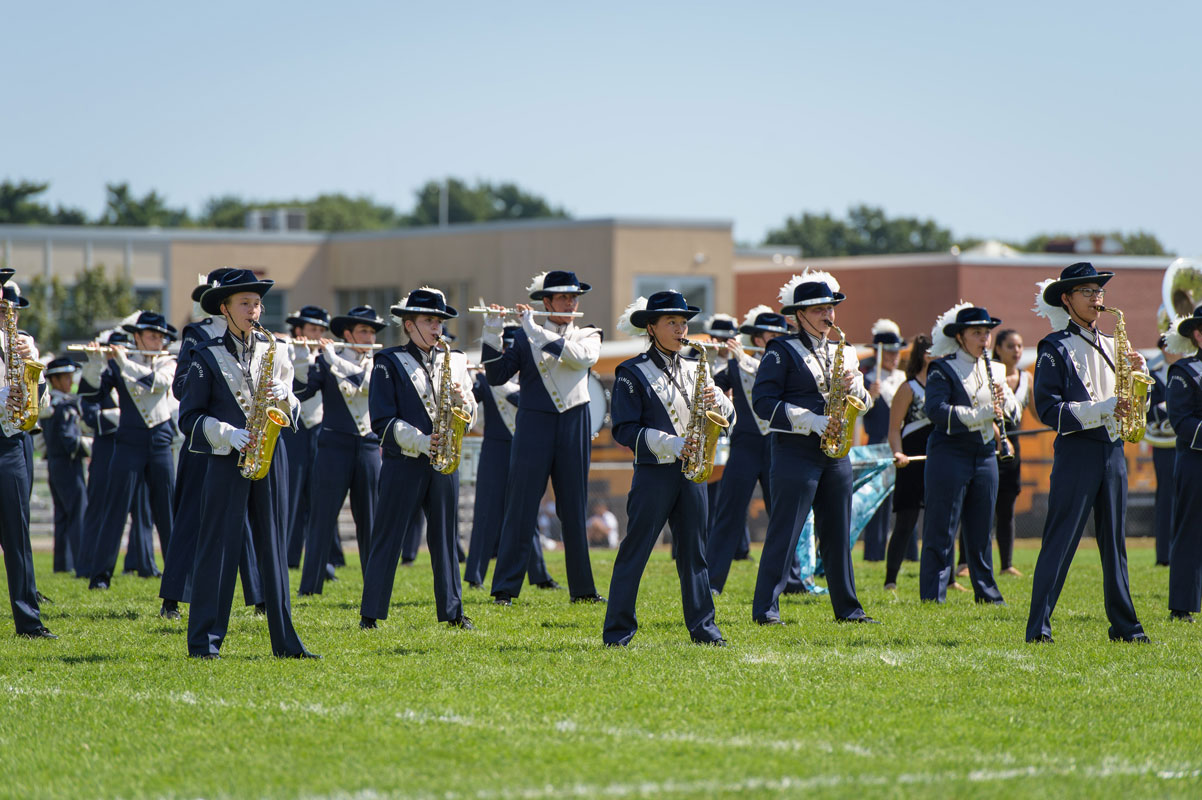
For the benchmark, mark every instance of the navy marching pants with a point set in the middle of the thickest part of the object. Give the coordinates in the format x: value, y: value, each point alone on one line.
x: 1087, y: 475
x: 804, y: 477
x: 659, y: 493
x: 301, y: 445
x: 70, y: 496
x: 98, y: 477
x: 348, y: 463
x: 747, y: 466
x: 219, y: 551
x: 1163, y: 460
x: 492, y: 476
x: 14, y: 535
x: 408, y: 487
x: 1185, y: 555
x: 141, y: 454
x: 961, y: 489
x: 555, y: 446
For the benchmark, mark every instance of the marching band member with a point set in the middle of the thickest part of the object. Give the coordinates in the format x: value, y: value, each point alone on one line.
x: 500, y: 407
x: 406, y: 399
x: 310, y: 323
x: 16, y: 475
x: 888, y: 342
x: 101, y: 416
x: 1075, y: 394
x: 653, y: 401
x: 189, y: 498
x: 348, y: 450
x: 791, y: 391
x: 224, y: 382
x: 144, y: 436
x: 723, y: 329
x: 1164, y: 453
x: 1185, y: 411
x: 909, y: 429
x: 750, y: 459
x: 1008, y: 349
x: 66, y: 449
x: 553, y: 438
x: 961, y: 468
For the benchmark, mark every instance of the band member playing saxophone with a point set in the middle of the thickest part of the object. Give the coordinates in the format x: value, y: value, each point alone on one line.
x: 420, y: 405
x: 232, y: 381
x: 657, y: 398
x: 798, y: 380
x: 1075, y: 393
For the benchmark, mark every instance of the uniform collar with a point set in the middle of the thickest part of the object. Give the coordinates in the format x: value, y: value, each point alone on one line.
x: 664, y: 360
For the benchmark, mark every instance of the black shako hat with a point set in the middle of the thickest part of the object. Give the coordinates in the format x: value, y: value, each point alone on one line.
x: 660, y: 304
x: 13, y: 295
x: 722, y: 327
x: 1186, y: 326
x: 229, y: 284
x: 1070, y: 277
x: 152, y: 321
x: 557, y: 281
x: 813, y: 293
x: 425, y: 301
x: 213, y: 278
x: 312, y: 315
x: 60, y: 365
x: 766, y: 322
x: 972, y: 317
x: 359, y: 315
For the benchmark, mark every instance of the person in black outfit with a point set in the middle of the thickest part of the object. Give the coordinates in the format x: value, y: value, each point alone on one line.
x: 1008, y: 349
x: 909, y: 428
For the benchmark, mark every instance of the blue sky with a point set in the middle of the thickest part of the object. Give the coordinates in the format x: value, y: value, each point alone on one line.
x: 993, y: 119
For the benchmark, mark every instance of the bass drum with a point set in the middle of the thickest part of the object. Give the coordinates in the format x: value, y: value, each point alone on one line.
x: 598, y: 404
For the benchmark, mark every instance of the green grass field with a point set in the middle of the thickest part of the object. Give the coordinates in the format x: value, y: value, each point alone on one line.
x: 938, y: 701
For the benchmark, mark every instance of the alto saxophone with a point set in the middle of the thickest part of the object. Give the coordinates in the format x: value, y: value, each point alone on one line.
x: 265, y: 421
x: 23, y: 375
x: 1129, y: 385
x: 704, y: 428
x: 452, y: 420
x: 841, y: 408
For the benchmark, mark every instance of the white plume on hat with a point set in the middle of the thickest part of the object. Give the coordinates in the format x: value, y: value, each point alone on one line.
x: 941, y: 343
x: 132, y: 319
x: 404, y: 301
x: 808, y: 276
x: 15, y: 287
x: 886, y: 326
x: 1174, y: 342
x: 751, y: 315
x: 536, y: 285
x: 625, y: 326
x: 104, y: 336
x: 1056, y: 315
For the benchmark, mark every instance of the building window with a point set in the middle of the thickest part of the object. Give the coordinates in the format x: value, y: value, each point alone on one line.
x: 698, y: 290
x: 274, y: 310
x: 148, y: 299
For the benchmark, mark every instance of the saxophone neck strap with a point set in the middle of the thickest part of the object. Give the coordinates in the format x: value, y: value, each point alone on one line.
x: 672, y: 367
x: 1093, y: 342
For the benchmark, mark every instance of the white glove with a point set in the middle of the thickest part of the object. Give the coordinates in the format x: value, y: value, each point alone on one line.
x: 278, y: 390
x: 820, y: 424
x: 330, y: 353
x: 239, y: 439
x: 423, y: 444
x: 494, y: 323
x: 1106, y: 407
x: 3, y: 394
x: 677, y: 445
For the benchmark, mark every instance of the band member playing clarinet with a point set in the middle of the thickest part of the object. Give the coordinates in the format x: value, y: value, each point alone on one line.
x: 792, y: 390
x: 654, y: 400
x: 1075, y: 394
x: 553, y: 438
x: 965, y: 404
x: 1185, y: 411
x: 408, y: 397
x: 229, y: 384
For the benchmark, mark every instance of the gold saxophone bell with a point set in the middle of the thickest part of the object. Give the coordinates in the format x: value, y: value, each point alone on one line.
x: 276, y: 421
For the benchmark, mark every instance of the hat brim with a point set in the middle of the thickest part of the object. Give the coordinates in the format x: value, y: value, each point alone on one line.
x: 338, y: 325
x: 755, y: 330
x: 214, y: 296
x: 640, y: 318
x: 539, y: 294
x: 835, y: 299
x: 1052, y: 292
x: 450, y: 313
x: 298, y: 321
x: 198, y: 292
x: 1186, y: 326
x: 170, y: 332
x: 21, y: 302
x: 60, y: 370
x: 952, y: 328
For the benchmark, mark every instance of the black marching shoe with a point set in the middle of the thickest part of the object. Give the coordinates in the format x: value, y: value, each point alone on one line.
x: 1043, y: 638
x: 474, y: 585
x: 864, y: 620
x: 98, y: 584
x: 303, y: 654
x: 769, y: 621
x: 40, y: 633
x: 41, y: 598
x: 260, y: 609
x: 367, y: 624
x: 719, y: 642
x: 408, y: 562
x: 502, y: 599
x: 205, y: 656
x: 170, y: 610
x: 1181, y: 616
x: 550, y: 583
x: 590, y: 598
x: 463, y: 623
x: 1135, y: 638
